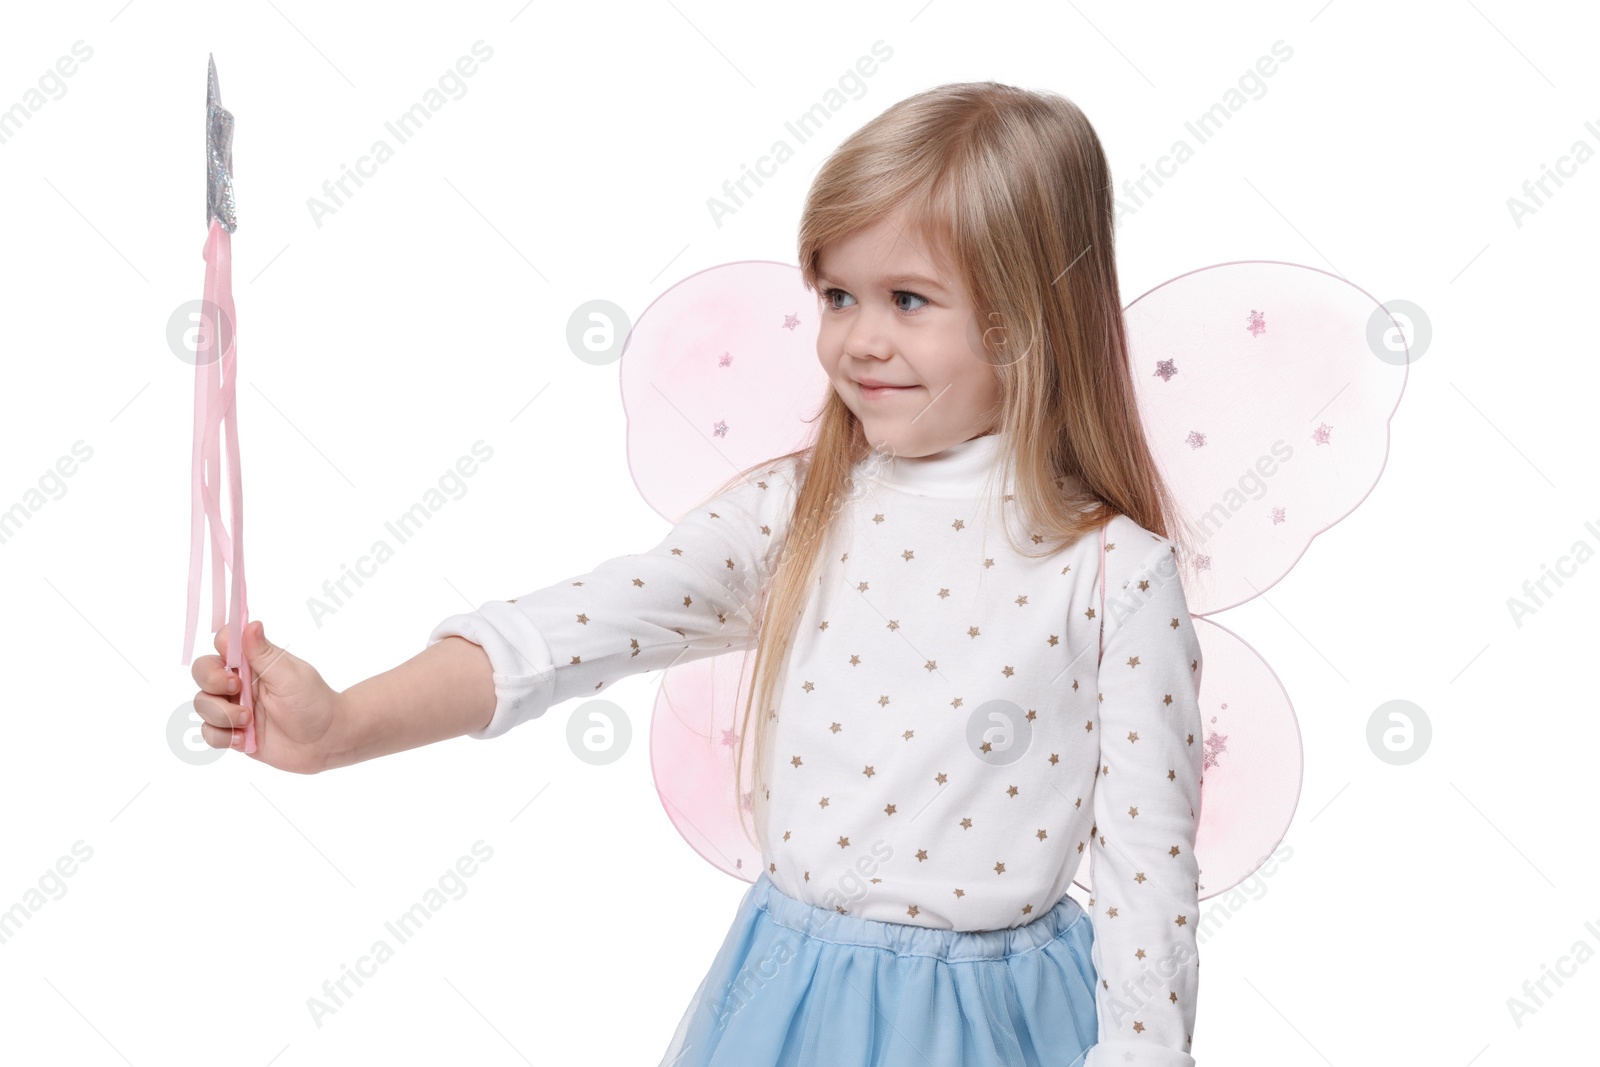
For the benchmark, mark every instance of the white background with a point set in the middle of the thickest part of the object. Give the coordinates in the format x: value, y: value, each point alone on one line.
x: 431, y: 308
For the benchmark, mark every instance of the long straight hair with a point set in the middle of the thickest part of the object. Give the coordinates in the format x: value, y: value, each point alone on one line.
x: 1011, y: 188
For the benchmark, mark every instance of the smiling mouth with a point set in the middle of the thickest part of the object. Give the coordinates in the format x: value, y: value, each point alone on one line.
x: 873, y: 392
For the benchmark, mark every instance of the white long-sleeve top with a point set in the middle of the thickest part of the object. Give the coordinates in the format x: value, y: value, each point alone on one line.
x: 948, y: 744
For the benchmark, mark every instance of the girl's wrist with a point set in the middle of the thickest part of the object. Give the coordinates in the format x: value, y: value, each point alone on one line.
x: 347, y: 740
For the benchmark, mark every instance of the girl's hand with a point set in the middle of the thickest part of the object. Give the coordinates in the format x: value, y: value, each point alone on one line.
x: 296, y: 711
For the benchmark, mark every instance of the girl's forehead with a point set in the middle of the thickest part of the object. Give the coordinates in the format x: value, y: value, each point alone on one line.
x: 893, y: 247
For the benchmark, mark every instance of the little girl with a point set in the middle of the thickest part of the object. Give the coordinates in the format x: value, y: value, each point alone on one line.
x: 973, y: 656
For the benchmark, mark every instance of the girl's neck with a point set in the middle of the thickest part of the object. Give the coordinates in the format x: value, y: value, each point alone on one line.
x: 962, y: 470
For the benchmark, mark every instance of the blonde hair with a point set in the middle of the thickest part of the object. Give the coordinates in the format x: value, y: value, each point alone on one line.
x: 1013, y: 188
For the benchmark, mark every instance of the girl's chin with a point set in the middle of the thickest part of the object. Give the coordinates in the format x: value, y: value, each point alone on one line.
x: 888, y: 437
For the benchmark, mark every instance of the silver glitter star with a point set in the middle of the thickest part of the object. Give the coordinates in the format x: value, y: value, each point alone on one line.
x: 219, y: 155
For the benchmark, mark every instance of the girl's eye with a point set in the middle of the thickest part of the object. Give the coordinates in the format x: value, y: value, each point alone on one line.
x: 827, y: 295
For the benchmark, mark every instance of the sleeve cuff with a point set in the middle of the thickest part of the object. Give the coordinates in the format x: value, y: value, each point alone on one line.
x: 1129, y: 1053
x: 524, y: 677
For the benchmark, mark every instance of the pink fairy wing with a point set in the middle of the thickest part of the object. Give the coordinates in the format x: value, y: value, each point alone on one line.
x: 693, y: 745
x: 1251, y: 764
x: 1267, y: 405
x: 1268, y: 409
x: 719, y: 373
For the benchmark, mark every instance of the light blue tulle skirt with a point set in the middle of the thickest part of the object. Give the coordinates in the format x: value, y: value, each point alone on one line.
x: 796, y: 985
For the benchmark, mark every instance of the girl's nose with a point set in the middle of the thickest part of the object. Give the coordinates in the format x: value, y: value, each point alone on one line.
x: 867, y: 340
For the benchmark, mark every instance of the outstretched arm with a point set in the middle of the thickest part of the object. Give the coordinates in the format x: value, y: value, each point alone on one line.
x: 692, y: 595
x: 483, y: 672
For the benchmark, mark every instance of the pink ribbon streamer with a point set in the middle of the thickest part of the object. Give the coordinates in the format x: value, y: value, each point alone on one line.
x: 214, y: 409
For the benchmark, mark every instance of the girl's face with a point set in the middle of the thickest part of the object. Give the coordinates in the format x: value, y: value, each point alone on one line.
x: 893, y: 316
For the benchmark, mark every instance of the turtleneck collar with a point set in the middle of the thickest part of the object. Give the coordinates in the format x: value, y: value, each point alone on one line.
x: 961, y: 470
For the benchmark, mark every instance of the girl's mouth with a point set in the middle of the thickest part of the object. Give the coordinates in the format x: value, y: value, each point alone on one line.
x: 877, y: 392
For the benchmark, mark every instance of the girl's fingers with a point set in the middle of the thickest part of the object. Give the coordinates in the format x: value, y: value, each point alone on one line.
x: 203, y: 669
x: 213, y: 676
x: 219, y: 679
x: 217, y: 737
x: 219, y: 712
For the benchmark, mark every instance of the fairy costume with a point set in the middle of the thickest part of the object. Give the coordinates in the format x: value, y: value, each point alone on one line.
x: 1236, y: 356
